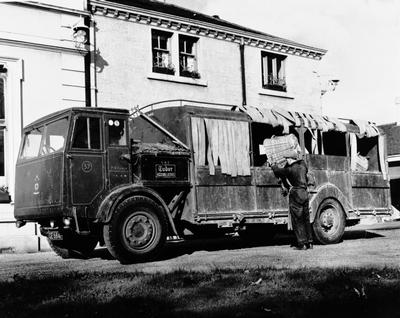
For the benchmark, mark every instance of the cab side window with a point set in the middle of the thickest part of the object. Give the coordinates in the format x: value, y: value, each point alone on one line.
x: 116, y: 132
x: 87, y: 133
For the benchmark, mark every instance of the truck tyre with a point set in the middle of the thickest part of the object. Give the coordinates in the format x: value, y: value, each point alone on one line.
x: 330, y: 222
x: 74, y: 246
x: 137, y: 230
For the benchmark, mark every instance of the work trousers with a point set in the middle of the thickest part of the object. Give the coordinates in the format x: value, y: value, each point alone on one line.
x: 300, y: 215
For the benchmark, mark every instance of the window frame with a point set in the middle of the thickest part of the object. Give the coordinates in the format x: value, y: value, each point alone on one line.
x: 155, y: 50
x: 320, y: 146
x: 273, y: 71
x: 87, y: 116
x: 184, y: 55
x: 107, y: 131
x: 43, y: 135
x: 368, y: 148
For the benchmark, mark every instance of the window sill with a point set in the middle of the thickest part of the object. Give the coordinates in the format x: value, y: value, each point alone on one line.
x: 177, y: 79
x: 271, y: 92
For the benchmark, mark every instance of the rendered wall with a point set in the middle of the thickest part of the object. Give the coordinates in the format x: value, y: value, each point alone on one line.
x: 124, y: 77
x: 45, y: 73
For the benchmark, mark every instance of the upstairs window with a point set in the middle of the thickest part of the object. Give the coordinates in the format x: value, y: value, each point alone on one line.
x: 273, y: 71
x: 161, y: 46
x: 188, y: 56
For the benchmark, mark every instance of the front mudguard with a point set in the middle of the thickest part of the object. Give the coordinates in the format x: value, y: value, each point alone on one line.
x: 116, y: 196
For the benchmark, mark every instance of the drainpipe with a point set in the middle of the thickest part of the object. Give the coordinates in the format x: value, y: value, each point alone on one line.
x: 243, y: 73
x: 92, y: 63
x: 87, y: 61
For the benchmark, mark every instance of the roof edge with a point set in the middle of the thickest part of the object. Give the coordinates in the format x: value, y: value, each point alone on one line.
x: 175, y: 22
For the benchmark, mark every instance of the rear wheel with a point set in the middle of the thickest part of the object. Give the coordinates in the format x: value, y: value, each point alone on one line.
x: 330, y: 222
x: 137, y: 230
x: 74, y: 246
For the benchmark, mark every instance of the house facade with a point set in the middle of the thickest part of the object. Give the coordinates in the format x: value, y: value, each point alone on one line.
x: 150, y: 51
x: 42, y: 70
x: 135, y: 53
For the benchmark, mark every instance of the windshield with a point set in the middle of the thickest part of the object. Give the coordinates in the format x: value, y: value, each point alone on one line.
x: 44, y: 140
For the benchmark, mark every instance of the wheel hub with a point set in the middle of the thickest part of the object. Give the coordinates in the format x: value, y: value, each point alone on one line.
x: 139, y: 231
x: 328, y: 217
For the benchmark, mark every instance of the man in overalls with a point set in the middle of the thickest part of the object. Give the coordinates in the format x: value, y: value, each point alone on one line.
x: 294, y: 175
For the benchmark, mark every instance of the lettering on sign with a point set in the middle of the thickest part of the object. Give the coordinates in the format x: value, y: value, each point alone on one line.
x: 165, y: 171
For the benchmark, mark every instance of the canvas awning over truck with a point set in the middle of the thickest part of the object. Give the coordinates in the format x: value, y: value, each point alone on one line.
x: 284, y: 118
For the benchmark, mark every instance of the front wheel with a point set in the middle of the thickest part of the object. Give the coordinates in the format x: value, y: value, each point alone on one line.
x: 330, y: 222
x: 137, y: 230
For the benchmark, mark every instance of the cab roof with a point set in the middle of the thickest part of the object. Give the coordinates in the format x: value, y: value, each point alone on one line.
x: 68, y: 111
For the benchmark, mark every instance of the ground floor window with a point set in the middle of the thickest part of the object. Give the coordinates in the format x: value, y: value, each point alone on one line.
x: 2, y: 163
x: 2, y: 129
x: 4, y: 195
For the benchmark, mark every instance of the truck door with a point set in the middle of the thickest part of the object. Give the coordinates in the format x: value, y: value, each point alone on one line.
x: 86, y: 160
x: 117, y: 146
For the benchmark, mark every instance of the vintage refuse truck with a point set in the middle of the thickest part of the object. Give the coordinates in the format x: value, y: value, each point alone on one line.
x: 134, y: 181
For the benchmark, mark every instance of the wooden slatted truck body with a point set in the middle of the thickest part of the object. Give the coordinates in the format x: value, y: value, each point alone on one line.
x: 96, y: 174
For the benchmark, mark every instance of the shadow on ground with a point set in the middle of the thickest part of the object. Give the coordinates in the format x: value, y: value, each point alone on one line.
x: 283, y: 238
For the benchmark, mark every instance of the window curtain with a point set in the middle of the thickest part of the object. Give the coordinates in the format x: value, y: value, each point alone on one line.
x: 222, y: 142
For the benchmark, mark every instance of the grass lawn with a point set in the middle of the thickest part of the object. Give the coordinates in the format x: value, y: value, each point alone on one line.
x: 265, y: 292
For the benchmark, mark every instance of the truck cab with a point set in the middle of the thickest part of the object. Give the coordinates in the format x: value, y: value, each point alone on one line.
x: 78, y: 166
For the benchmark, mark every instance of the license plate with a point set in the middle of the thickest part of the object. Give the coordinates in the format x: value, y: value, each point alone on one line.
x: 55, y: 236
